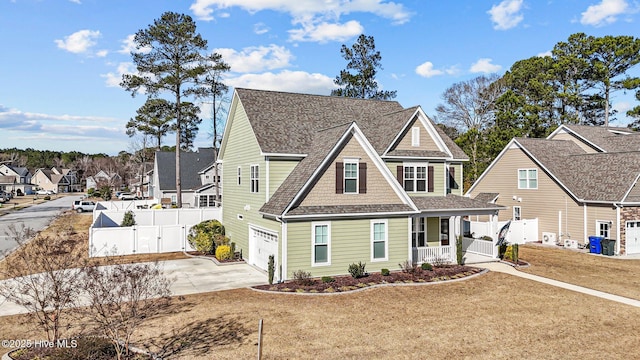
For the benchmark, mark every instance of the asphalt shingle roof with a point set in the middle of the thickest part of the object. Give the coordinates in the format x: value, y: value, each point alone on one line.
x: 190, y: 164
x: 609, y: 139
x: 450, y: 202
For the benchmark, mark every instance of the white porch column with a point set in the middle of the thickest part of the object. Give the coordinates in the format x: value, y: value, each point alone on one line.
x: 495, y: 231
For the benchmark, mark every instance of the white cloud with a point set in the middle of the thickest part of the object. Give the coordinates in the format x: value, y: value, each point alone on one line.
x: 546, y: 53
x: 484, y: 65
x: 129, y: 46
x: 325, y: 32
x: 452, y: 70
x: 256, y: 58
x: 604, y: 13
x: 76, y: 1
x: 260, y: 28
x: 426, y: 70
x: 319, y: 20
x: 114, y: 79
x: 79, y: 42
x: 291, y: 81
x: 102, y: 53
x: 622, y: 107
x: 506, y: 15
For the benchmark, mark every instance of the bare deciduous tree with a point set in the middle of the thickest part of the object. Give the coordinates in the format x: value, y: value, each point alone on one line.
x: 121, y: 297
x: 42, y: 278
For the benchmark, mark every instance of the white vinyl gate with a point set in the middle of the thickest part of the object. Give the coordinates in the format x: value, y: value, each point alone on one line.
x: 262, y: 244
x: 632, y: 237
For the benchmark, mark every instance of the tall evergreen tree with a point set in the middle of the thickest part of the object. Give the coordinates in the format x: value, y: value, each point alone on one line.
x: 363, y: 58
x: 173, y: 66
x: 154, y: 119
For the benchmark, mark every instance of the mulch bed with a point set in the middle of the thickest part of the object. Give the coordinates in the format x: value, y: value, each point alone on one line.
x: 348, y: 283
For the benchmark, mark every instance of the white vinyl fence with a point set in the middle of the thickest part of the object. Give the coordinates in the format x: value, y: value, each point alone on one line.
x: 156, y: 231
x: 520, y: 231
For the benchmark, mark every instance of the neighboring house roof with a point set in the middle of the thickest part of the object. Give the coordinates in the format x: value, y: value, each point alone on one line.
x: 190, y: 165
x: 7, y: 179
x: 487, y: 197
x: 611, y: 139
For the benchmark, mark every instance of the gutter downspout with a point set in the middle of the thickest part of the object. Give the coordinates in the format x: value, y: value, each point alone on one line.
x: 283, y: 249
x: 618, y: 235
x: 584, y: 224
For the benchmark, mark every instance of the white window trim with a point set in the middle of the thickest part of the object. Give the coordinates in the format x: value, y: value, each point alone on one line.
x: 313, y: 243
x: 239, y: 174
x: 415, y: 167
x: 527, y: 179
x: 608, y: 223
x: 386, y: 239
x: 415, y: 136
x: 513, y: 217
x: 252, y: 179
x: 346, y: 161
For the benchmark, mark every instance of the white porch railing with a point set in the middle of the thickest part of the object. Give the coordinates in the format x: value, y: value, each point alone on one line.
x: 432, y: 254
x: 477, y: 246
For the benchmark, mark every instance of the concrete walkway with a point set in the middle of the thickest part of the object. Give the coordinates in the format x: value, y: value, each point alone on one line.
x: 190, y: 276
x: 508, y: 269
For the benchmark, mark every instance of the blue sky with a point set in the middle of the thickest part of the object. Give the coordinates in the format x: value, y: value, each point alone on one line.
x: 62, y: 60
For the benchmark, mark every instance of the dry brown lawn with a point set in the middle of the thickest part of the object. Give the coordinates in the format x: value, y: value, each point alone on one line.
x: 608, y: 274
x: 493, y: 316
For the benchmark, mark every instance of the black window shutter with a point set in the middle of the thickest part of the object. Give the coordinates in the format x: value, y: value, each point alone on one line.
x: 339, y: 178
x: 400, y: 174
x: 362, y: 178
x: 452, y: 178
x: 430, y: 178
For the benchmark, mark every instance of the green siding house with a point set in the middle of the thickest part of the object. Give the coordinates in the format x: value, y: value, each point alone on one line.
x: 321, y: 182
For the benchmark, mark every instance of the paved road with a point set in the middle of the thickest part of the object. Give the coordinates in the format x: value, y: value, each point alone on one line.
x: 36, y: 217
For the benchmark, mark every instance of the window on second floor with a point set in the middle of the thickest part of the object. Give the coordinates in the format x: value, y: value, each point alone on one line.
x: 255, y: 178
x: 527, y: 178
x: 351, y: 177
x: 416, y: 177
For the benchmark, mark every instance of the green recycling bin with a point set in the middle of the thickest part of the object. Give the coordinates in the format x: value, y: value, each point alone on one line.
x: 608, y: 247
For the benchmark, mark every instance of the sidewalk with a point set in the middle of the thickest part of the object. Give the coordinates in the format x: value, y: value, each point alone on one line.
x: 508, y: 269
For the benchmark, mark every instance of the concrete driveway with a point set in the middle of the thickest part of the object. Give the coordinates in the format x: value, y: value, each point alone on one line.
x: 190, y: 276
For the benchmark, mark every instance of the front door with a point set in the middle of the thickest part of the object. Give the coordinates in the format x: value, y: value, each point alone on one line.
x: 444, y: 232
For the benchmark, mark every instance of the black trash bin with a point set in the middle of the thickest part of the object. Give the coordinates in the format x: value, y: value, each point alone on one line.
x: 608, y: 247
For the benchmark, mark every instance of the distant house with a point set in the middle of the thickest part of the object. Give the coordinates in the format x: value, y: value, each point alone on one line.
x: 56, y: 180
x: 580, y: 181
x: 196, y: 177
x: 103, y: 178
x: 14, y: 178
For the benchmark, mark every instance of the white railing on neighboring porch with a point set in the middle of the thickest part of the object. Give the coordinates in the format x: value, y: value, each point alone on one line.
x: 432, y: 254
x: 477, y: 246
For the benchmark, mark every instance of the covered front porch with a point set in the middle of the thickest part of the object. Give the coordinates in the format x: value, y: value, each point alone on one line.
x: 434, y: 232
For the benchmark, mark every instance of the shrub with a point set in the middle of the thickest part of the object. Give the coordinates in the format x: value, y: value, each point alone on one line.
x: 91, y: 192
x: 129, y: 219
x: 459, y: 258
x: 302, y: 277
x: 105, y: 193
x: 408, y: 267
x: 440, y: 261
x: 426, y: 266
x: 201, y: 236
x: 357, y: 270
x: 328, y: 279
x: 385, y: 272
x: 47, y: 197
x: 223, y: 252
x: 271, y: 266
x: 508, y: 254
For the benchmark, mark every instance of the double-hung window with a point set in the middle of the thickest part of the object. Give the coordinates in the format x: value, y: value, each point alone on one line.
x: 255, y: 178
x: 603, y: 228
x: 321, y: 250
x: 350, y: 177
x: 415, y: 178
x: 379, y: 240
x: 527, y: 178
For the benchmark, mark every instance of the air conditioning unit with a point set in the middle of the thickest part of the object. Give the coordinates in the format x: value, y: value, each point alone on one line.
x: 570, y: 244
x: 549, y: 238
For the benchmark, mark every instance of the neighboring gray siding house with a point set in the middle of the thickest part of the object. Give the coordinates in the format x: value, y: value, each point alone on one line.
x: 15, y: 178
x: 196, y: 176
x: 578, y: 182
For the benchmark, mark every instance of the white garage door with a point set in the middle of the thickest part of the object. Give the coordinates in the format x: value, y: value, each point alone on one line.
x: 263, y: 243
x: 632, y: 236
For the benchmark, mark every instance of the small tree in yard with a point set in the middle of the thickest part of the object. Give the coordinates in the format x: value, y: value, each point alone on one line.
x: 129, y: 219
x: 121, y: 297
x: 43, y: 278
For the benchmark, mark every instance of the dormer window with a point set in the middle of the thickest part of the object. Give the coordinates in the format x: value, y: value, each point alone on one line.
x: 351, y: 177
